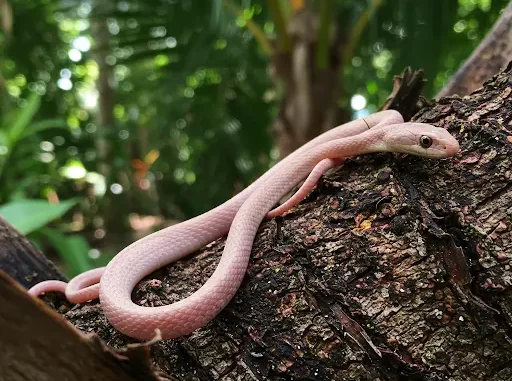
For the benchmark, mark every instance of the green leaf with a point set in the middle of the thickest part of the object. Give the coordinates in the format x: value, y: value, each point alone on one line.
x: 23, y: 118
x: 280, y: 14
x: 28, y: 215
x: 34, y: 128
x: 216, y: 12
x: 72, y: 249
x: 255, y: 29
x: 4, y: 141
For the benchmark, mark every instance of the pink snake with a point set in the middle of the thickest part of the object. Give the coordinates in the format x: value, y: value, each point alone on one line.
x: 241, y: 216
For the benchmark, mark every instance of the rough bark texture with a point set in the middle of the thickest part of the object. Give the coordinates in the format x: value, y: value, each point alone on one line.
x: 491, y: 55
x: 406, y: 95
x: 394, y: 268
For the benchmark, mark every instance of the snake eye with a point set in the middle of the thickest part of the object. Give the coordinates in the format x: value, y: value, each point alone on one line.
x: 425, y: 141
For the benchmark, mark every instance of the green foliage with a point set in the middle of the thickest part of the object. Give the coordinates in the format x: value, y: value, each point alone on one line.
x: 18, y: 132
x: 192, y: 97
x: 72, y: 249
x: 420, y: 34
x: 32, y: 217
x: 19, y: 125
x: 28, y: 216
x: 19, y: 122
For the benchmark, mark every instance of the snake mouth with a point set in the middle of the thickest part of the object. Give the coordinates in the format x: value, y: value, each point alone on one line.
x: 452, y: 149
x: 446, y: 149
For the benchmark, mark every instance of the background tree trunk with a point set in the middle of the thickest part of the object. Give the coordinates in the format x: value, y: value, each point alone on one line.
x: 394, y: 268
x: 113, y: 205
x: 310, y: 90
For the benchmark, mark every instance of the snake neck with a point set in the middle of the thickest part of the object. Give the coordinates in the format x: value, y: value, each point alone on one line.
x: 367, y: 142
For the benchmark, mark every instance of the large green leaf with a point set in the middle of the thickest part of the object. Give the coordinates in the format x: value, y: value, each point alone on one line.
x: 44, y: 125
x: 23, y: 118
x: 72, y: 249
x: 30, y: 215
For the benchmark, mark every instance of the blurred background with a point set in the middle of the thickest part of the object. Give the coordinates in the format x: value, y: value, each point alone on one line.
x: 121, y: 117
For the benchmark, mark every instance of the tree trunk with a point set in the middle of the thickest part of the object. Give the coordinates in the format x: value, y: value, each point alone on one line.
x: 308, y: 106
x: 39, y: 345
x: 394, y: 268
x: 113, y: 206
x: 21, y: 260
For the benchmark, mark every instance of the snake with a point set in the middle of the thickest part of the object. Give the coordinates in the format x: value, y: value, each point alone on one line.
x: 240, y: 218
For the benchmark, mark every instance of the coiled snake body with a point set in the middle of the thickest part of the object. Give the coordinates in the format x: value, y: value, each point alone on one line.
x: 241, y: 216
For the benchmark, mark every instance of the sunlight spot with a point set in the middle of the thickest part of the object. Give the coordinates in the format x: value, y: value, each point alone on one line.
x: 98, y: 182
x: 116, y: 188
x: 65, y: 73
x: 47, y: 157
x: 75, y: 55
x: 99, y: 233
x: 89, y: 98
x: 179, y: 174
x: 113, y: 27
x: 158, y: 31
x: 190, y: 178
x: 188, y: 92
x: 74, y: 170
x: 72, y: 150
x: 81, y: 43
x: 124, y: 134
x: 46, y: 146
x: 94, y: 253
x: 144, y: 184
x: 460, y: 26
x: 65, y: 84
x: 358, y: 102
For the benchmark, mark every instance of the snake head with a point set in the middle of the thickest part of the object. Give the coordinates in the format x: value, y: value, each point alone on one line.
x: 421, y: 139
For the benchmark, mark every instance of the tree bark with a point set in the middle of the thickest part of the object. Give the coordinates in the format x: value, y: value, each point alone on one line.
x: 39, y: 345
x: 21, y: 260
x: 394, y: 268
